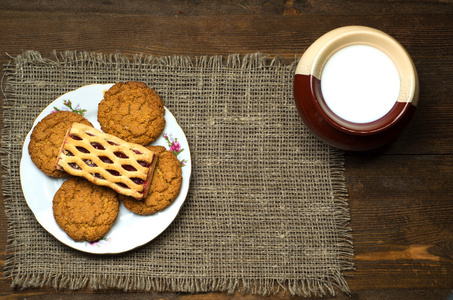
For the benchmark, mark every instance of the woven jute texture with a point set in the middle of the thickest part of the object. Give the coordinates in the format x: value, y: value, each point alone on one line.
x: 267, y: 208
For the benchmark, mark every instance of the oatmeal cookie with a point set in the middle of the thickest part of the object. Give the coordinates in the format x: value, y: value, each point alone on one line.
x: 133, y: 112
x: 47, y: 137
x: 165, y: 185
x: 86, y: 212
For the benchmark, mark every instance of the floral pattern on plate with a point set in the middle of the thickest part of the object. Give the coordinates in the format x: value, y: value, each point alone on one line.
x: 175, y: 147
x: 68, y: 107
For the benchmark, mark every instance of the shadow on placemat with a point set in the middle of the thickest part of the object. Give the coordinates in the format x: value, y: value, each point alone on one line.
x: 267, y: 207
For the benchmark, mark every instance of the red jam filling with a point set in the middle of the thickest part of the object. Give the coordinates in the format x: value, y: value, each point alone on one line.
x: 122, y: 185
x: 114, y: 172
x: 129, y: 168
x: 106, y: 160
x: 97, y: 146
x: 143, y: 163
x: 75, y: 166
x: 83, y: 150
x: 89, y: 163
x: 120, y: 154
x: 138, y: 180
x: 75, y: 137
x: 97, y: 175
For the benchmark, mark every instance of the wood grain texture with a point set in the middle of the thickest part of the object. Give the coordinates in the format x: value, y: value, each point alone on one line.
x: 426, y: 38
x: 234, y: 7
x: 402, y: 223
x: 401, y: 196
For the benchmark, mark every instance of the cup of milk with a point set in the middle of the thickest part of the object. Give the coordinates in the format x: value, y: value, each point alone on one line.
x: 356, y: 88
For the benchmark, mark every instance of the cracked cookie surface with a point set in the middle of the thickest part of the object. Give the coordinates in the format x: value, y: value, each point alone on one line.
x: 47, y: 137
x: 133, y: 112
x: 165, y: 185
x: 84, y: 211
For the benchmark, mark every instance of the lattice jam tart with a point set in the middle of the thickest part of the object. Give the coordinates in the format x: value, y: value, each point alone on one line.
x: 106, y: 160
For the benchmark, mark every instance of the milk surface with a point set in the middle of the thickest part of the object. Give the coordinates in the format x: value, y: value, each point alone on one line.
x: 360, y: 83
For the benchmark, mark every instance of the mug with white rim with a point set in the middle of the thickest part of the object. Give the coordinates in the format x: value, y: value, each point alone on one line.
x: 356, y: 88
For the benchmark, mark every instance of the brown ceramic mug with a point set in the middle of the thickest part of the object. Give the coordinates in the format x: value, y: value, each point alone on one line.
x: 356, y: 88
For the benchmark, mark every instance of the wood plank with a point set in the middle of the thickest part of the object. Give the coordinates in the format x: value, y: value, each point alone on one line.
x: 427, y: 38
x: 237, y: 7
x: 401, y: 212
x: 424, y: 37
x: 48, y: 294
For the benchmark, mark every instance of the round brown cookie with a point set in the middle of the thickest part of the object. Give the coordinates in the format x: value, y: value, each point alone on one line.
x: 133, y: 112
x: 47, y: 137
x: 165, y: 185
x: 85, y: 211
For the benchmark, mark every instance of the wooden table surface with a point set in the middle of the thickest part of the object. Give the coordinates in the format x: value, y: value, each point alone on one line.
x: 400, y: 196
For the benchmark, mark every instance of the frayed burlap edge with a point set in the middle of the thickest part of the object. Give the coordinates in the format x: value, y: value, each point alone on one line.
x: 6, y: 153
x: 317, y: 287
x: 140, y: 61
x: 305, y: 288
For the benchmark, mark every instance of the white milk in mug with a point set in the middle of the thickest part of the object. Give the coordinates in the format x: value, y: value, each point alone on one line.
x: 360, y: 84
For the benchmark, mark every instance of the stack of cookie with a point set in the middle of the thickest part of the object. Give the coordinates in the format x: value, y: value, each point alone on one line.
x: 132, y: 112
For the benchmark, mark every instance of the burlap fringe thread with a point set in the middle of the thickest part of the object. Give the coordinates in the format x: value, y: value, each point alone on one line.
x: 317, y: 287
x: 140, y: 61
x: 265, y: 287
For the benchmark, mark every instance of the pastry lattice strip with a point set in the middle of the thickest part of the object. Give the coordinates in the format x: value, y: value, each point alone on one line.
x: 106, y: 160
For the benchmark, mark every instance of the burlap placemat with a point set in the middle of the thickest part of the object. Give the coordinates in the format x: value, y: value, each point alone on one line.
x: 267, y: 208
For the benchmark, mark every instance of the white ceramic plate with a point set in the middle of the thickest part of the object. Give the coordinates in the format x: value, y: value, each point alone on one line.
x: 130, y: 230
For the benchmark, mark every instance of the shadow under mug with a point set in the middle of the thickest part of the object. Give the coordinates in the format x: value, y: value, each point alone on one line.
x: 335, y: 129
